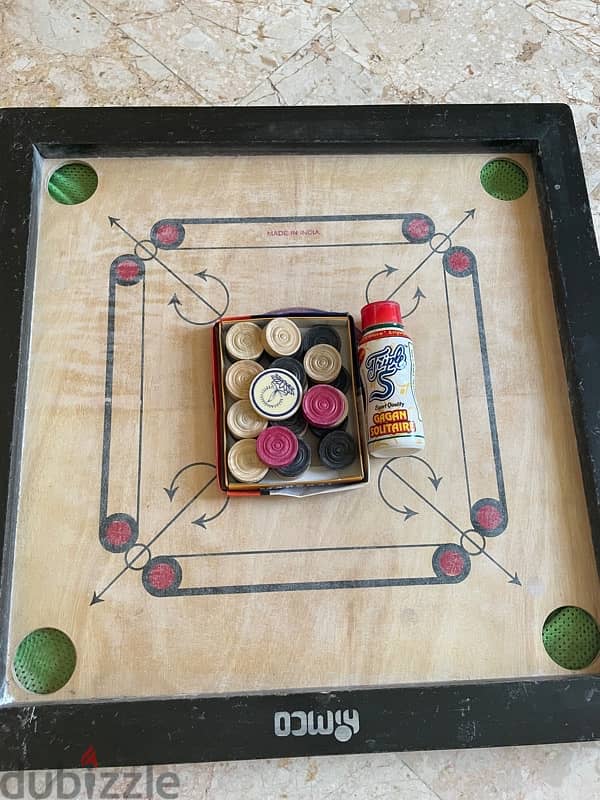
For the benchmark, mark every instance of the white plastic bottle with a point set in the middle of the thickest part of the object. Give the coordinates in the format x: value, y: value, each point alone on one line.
x: 387, y: 368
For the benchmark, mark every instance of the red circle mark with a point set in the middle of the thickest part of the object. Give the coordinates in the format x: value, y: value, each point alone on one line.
x: 167, y: 233
x: 118, y: 533
x: 452, y: 563
x: 489, y: 518
x: 418, y: 228
x: 127, y: 270
x: 161, y: 576
x: 459, y: 261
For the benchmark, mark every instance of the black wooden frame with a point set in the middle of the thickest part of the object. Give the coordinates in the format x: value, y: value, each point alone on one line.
x: 488, y: 713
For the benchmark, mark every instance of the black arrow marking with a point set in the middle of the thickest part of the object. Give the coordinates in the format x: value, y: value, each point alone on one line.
x: 513, y: 578
x: 416, y: 296
x: 468, y: 215
x: 115, y: 221
x: 171, y: 489
x: 452, y: 524
x: 205, y: 275
x: 387, y: 271
x: 435, y: 480
x: 409, y: 276
x: 97, y: 596
x: 407, y: 511
x: 176, y: 302
x: 201, y: 521
x: 181, y: 511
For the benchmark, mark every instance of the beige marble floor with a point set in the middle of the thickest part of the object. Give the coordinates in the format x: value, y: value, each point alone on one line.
x: 246, y: 52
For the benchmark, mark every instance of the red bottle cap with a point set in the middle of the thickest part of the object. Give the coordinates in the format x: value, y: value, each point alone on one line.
x: 383, y: 312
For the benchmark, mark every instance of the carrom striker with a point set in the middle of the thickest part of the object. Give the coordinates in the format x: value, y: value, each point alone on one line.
x: 275, y: 394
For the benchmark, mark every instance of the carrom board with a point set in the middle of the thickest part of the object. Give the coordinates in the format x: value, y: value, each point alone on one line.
x: 407, y: 613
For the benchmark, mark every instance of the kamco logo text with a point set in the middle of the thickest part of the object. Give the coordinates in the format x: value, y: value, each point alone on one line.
x: 342, y: 724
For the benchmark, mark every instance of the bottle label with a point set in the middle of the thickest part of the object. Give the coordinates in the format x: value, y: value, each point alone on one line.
x: 382, y: 366
x: 388, y: 374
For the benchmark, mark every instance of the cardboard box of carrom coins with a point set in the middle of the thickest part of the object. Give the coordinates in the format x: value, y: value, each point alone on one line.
x: 288, y: 404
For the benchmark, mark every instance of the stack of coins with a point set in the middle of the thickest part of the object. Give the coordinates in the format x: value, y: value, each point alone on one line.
x: 244, y: 341
x: 243, y: 462
x: 243, y: 421
x: 337, y: 450
x: 297, y: 424
x: 275, y: 394
x: 325, y: 406
x: 291, y: 365
x: 282, y: 337
x: 239, y: 376
x: 321, y: 334
x: 343, y: 382
x: 277, y: 446
x: 298, y: 465
x: 322, y: 363
x: 287, y: 408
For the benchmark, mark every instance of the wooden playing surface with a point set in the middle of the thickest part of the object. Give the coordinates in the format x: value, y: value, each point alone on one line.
x: 404, y: 622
